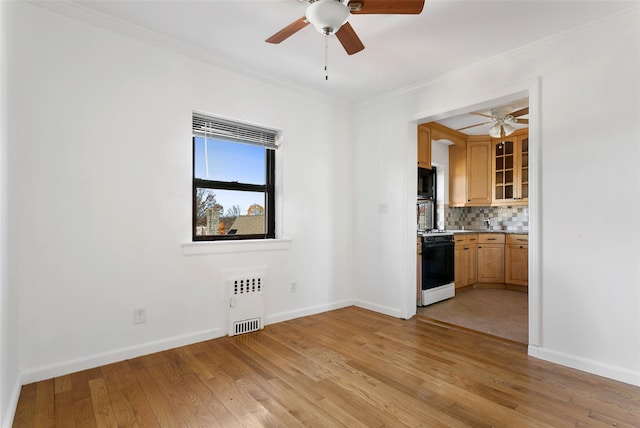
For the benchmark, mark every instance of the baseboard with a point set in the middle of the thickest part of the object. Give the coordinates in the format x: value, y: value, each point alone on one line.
x: 386, y: 310
x: 72, y: 366
x: 97, y: 360
x: 590, y: 366
x: 310, y: 310
x: 12, y: 405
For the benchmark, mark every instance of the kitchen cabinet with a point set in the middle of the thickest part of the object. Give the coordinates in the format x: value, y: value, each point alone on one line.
x: 424, y: 146
x: 458, y: 175
x: 491, y: 257
x: 517, y: 260
x: 465, y: 259
x: 478, y: 171
x: 510, y: 169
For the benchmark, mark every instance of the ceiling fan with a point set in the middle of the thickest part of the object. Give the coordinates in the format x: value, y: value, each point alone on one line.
x: 503, y: 119
x: 330, y: 17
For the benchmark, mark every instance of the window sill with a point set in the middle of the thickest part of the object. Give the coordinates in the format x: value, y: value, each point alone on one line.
x: 226, y: 247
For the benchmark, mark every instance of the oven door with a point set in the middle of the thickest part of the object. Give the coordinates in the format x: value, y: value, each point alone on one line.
x: 437, y: 264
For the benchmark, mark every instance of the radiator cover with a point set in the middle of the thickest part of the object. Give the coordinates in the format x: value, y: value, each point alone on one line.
x: 246, y: 301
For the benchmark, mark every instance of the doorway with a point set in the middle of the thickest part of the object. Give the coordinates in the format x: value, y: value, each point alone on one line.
x: 525, y: 305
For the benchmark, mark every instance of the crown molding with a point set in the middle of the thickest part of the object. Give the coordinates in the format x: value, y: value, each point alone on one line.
x: 93, y: 17
x: 628, y: 13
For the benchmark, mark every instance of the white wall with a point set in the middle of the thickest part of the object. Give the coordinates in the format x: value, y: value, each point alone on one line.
x: 588, y: 234
x: 100, y: 180
x: 100, y: 195
x: 9, y: 345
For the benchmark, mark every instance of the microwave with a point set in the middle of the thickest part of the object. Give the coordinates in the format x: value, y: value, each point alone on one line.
x: 427, y: 183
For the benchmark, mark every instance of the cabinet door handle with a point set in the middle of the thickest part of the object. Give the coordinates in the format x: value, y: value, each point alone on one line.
x: 521, y: 246
x: 492, y: 239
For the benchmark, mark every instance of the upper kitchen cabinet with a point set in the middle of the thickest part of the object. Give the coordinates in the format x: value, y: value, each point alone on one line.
x: 424, y: 146
x: 432, y: 131
x: 458, y: 175
x: 510, y: 169
x: 478, y: 171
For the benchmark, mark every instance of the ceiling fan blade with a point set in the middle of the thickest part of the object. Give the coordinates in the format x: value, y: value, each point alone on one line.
x: 473, y: 126
x: 288, y: 31
x: 520, y: 112
x: 525, y: 121
x: 349, y: 39
x: 387, y: 7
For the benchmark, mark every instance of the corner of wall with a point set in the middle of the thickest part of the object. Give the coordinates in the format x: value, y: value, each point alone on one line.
x: 9, y: 372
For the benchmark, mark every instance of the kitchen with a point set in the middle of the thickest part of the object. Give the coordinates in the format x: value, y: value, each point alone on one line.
x: 472, y: 217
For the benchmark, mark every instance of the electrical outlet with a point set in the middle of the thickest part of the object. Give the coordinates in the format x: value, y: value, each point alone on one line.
x: 139, y: 315
x: 293, y: 287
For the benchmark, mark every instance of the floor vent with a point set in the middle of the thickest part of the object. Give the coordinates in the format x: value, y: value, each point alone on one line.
x: 246, y: 303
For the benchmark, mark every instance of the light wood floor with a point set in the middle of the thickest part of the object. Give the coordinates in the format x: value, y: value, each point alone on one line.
x: 348, y: 367
x: 496, y: 312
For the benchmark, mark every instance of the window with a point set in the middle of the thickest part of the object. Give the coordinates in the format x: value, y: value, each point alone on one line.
x: 233, y: 180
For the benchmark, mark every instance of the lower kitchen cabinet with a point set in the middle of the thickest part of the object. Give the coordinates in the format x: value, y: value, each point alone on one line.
x: 466, y: 259
x: 491, y: 257
x: 517, y: 260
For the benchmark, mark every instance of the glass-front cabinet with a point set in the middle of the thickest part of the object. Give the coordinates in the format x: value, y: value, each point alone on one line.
x: 510, y: 169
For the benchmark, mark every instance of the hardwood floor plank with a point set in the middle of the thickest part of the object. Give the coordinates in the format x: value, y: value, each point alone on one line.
x: 197, y: 387
x: 102, y: 408
x: 297, y: 394
x: 83, y: 412
x: 240, y: 404
x: 26, y: 408
x: 44, y: 404
x: 161, y: 405
x: 62, y: 384
x: 349, y: 367
x: 64, y: 414
x: 191, y: 358
x: 116, y: 378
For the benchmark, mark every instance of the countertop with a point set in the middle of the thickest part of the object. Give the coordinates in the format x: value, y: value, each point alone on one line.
x: 456, y: 231
x: 506, y: 232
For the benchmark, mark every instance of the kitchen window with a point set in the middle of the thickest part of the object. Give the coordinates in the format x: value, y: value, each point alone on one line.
x: 233, y: 179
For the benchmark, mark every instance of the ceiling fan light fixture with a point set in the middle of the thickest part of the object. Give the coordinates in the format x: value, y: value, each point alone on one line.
x: 508, y: 129
x: 327, y: 16
x: 495, y: 131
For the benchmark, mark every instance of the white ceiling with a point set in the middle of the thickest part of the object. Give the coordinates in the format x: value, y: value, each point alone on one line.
x: 400, y: 50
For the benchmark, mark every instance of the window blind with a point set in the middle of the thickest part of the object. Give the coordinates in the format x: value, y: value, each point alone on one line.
x: 229, y: 130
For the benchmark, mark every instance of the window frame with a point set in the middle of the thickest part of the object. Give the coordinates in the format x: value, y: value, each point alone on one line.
x: 268, y: 189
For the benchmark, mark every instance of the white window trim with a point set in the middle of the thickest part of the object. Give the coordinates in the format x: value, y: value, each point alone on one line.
x: 241, y: 246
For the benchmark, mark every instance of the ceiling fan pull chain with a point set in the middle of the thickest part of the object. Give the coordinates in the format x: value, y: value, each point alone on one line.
x: 326, y: 57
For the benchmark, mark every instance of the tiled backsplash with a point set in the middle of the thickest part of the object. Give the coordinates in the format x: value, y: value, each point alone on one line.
x: 514, y: 219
